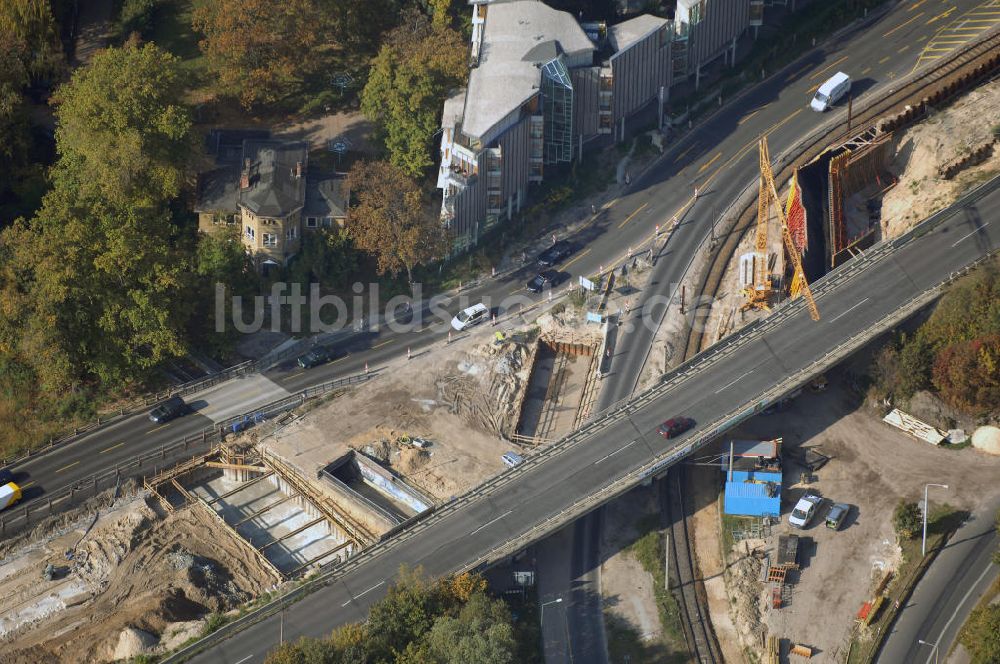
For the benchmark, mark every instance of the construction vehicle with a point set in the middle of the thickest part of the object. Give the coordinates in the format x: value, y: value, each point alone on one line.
x: 760, y: 293
x: 10, y: 494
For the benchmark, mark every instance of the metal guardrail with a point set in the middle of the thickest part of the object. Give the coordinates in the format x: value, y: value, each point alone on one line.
x: 619, y: 411
x: 17, y: 518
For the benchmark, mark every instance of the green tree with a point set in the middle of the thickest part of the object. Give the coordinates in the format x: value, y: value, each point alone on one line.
x: 482, y: 633
x: 981, y: 634
x: 31, y: 22
x: 359, y: 24
x: 260, y: 49
x: 417, y: 66
x: 328, y: 258
x: 388, y: 219
x: 123, y: 136
x: 906, y: 519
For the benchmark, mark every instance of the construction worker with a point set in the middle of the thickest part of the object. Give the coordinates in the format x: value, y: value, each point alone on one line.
x: 499, y: 338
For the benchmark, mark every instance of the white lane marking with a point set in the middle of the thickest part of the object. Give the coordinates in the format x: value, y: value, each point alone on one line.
x: 733, y: 382
x: 362, y: 593
x: 244, y: 659
x: 968, y: 235
x: 844, y: 313
x: 490, y: 523
x: 614, y: 453
x: 989, y: 568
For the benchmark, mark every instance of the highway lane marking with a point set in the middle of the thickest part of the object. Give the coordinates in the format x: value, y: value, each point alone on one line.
x: 904, y: 49
x: 248, y: 657
x: 363, y: 593
x: 578, y: 257
x: 865, y: 70
x: 384, y: 343
x: 829, y: 67
x: 969, y: 234
x: 965, y: 598
x: 490, y: 523
x: 113, y: 447
x: 637, y: 211
x: 615, y: 452
x: 944, y: 14
x: 885, y: 60
x: 26, y: 484
x: 844, y: 313
x: 903, y: 25
x: 796, y: 73
x: 733, y: 382
x: 706, y: 165
x: 681, y: 155
x: 291, y: 376
x: 813, y: 88
x: 162, y: 426
x: 915, y: 5
x: 67, y: 467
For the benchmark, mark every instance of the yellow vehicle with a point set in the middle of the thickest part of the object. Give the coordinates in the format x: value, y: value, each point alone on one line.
x: 10, y: 494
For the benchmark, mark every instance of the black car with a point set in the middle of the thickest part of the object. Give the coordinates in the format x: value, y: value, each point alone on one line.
x: 168, y: 410
x: 317, y: 356
x: 543, y: 280
x: 675, y: 426
x: 555, y: 254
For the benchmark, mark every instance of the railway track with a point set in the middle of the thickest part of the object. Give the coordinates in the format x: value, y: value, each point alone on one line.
x: 697, y: 626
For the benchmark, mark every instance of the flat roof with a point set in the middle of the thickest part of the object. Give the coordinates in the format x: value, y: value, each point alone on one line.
x: 453, y: 106
x: 505, y: 79
x: 751, y: 499
x: 627, y: 33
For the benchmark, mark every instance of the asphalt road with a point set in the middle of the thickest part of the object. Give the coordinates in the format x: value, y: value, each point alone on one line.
x: 761, y: 362
x: 719, y: 158
x: 947, y: 593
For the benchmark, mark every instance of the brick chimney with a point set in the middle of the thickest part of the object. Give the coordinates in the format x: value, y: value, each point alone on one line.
x: 245, y: 175
x: 298, y: 169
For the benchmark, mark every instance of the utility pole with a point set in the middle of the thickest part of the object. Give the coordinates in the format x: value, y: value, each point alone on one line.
x: 666, y: 561
x: 850, y: 110
x: 923, y: 544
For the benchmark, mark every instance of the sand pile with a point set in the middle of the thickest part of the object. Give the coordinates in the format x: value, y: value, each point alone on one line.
x: 987, y: 439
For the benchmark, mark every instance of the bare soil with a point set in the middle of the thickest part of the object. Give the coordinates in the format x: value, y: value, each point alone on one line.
x: 133, y: 572
x: 872, y: 467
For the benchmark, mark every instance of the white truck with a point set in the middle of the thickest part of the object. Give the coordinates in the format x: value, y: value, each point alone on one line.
x: 10, y: 494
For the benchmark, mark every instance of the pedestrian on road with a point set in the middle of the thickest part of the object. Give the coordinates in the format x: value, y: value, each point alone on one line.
x: 628, y: 178
x: 553, y: 238
x: 593, y: 209
x: 524, y: 258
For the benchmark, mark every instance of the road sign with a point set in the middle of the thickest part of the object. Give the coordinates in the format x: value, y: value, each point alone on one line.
x: 587, y: 283
x: 594, y: 317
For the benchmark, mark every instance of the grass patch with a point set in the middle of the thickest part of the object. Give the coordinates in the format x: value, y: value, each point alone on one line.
x: 171, y: 30
x: 648, y: 550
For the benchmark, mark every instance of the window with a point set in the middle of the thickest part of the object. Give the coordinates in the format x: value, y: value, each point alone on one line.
x: 310, y: 222
x: 697, y: 13
x: 327, y: 222
x: 250, y: 232
x: 270, y: 240
x: 291, y: 233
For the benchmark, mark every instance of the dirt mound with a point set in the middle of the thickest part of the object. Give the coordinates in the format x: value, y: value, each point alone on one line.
x: 987, y: 439
x: 133, y: 642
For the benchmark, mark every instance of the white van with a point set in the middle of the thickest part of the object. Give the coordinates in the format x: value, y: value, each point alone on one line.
x: 830, y: 92
x: 466, y: 318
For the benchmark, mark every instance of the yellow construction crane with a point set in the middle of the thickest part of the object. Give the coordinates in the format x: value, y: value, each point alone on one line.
x: 761, y: 291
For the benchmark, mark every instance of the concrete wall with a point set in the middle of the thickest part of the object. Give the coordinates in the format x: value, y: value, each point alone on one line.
x: 724, y: 21
x: 385, y: 481
x: 638, y: 74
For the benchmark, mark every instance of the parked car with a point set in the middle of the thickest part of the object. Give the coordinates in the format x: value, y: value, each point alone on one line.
x: 317, y: 356
x: 555, y: 254
x: 544, y: 279
x: 804, y: 510
x: 512, y: 459
x: 835, y: 517
x: 168, y: 410
x: 675, y: 426
x: 473, y: 315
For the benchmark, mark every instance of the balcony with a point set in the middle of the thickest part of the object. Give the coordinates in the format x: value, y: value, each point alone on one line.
x: 461, y: 176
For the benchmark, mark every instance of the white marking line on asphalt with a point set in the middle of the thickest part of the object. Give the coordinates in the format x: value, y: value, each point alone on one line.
x: 245, y: 659
x: 490, y: 523
x: 615, y: 452
x: 969, y: 234
x: 989, y: 568
x: 363, y: 593
x: 844, y: 313
x: 733, y: 382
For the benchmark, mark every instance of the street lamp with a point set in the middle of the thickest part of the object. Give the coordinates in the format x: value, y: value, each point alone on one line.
x: 923, y: 544
x: 541, y: 618
x: 934, y: 648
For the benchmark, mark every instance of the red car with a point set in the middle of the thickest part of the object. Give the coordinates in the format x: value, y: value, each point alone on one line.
x: 675, y: 426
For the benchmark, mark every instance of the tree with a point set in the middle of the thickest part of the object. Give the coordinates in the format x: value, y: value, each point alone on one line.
x: 123, y: 136
x: 482, y: 633
x: 968, y: 374
x: 328, y: 257
x: 359, y: 24
x: 258, y: 48
x: 388, y: 219
x: 417, y: 66
x: 981, y: 634
x: 906, y: 519
x: 31, y: 22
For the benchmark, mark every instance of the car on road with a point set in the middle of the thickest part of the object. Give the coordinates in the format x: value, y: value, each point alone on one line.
x: 168, y: 410
x: 675, y: 426
x: 555, y: 254
x: 835, y: 517
x: 317, y: 356
x: 511, y: 459
x: 470, y: 316
x: 804, y: 510
x: 544, y: 279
